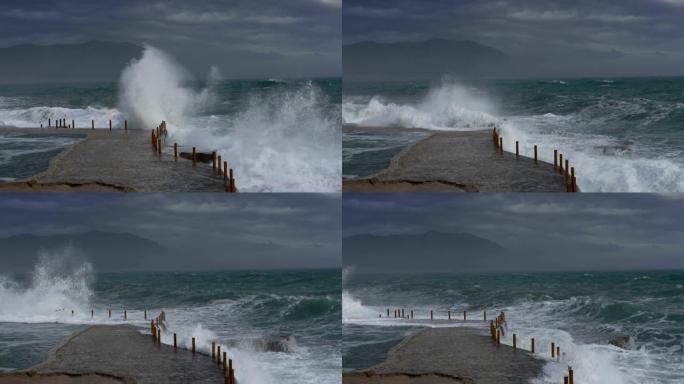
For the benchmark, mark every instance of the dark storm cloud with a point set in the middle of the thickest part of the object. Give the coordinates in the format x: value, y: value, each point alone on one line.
x: 546, y: 231
x: 247, y: 231
x: 556, y: 37
x: 243, y: 38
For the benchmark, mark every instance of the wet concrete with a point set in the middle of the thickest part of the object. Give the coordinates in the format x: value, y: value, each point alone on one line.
x: 121, y: 160
x: 122, y: 352
x: 452, y: 355
x: 461, y: 161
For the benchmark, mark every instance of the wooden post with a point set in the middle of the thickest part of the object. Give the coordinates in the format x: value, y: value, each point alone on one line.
x: 412, y: 313
x: 220, y: 170
x: 571, y: 376
x: 558, y: 352
x: 565, y: 380
x: 517, y: 148
x: 213, y: 160
x: 194, y: 155
x: 555, y: 158
x: 387, y: 312
x: 159, y: 335
x: 146, y: 314
x: 218, y: 354
x: 110, y: 313
x: 175, y: 150
x: 92, y: 124
x: 232, y: 376
x: 567, y: 166
x: 175, y: 345
x: 535, y: 153
x: 449, y: 312
x: 574, y: 184
x: 560, y: 163
x: 159, y: 146
x: 498, y: 337
x: 213, y: 350
x: 225, y: 362
x: 515, y: 345
x: 553, y: 350
x: 532, y: 345
x: 225, y: 174
x: 464, y: 315
x: 125, y: 125
x: 110, y: 124
x: 431, y: 314
x: 125, y: 314
x: 193, y: 344
x: 232, y: 182
x: 49, y: 123
x: 484, y: 313
x: 402, y: 313
x: 92, y: 314
x: 501, y: 143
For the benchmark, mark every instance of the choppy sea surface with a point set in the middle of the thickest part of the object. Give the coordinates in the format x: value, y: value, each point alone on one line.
x: 621, y: 134
x: 280, y: 135
x: 278, y: 326
x: 580, y: 311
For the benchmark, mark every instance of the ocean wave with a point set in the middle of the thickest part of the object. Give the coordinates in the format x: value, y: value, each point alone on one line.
x: 35, y: 116
x: 448, y: 107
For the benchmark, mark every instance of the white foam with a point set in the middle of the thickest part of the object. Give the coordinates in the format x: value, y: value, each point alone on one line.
x: 35, y: 116
x: 286, y: 141
x: 58, y: 285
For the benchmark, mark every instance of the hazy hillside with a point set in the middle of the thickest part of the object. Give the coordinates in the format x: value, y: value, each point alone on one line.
x: 87, y: 62
x: 420, y: 60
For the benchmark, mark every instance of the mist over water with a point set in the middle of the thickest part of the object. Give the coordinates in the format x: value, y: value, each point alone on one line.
x: 278, y: 327
x: 619, y: 134
x: 278, y: 135
x: 580, y: 312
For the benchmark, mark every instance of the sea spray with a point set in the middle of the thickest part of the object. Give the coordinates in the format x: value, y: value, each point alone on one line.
x: 155, y: 88
x: 284, y: 139
x: 59, y: 283
x: 450, y: 107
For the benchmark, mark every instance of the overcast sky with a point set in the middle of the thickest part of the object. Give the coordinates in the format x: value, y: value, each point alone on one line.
x: 568, y: 231
x: 573, y: 38
x: 261, y: 231
x: 243, y: 38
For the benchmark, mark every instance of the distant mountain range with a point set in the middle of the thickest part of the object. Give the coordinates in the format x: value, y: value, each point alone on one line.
x: 86, y: 62
x: 425, y: 252
x: 107, y: 251
x: 420, y: 59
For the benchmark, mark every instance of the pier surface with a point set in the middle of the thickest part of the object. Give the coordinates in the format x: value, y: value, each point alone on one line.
x: 118, y: 354
x: 459, y: 162
x: 451, y: 355
x: 115, y: 160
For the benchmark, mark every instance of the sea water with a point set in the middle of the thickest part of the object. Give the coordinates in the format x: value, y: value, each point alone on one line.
x: 582, y: 312
x: 277, y: 134
x: 277, y: 326
x: 622, y: 134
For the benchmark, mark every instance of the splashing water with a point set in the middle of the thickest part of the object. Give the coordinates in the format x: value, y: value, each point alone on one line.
x: 284, y: 140
x: 59, y: 283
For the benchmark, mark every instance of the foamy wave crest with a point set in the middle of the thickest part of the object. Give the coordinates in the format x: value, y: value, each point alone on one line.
x: 592, y: 363
x: 35, y: 116
x: 287, y: 141
x: 59, y: 283
x: 602, y: 164
x: 448, y: 107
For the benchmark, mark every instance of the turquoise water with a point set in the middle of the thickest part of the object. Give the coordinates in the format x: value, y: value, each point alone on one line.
x: 620, y: 134
x: 581, y: 312
x: 299, y: 312
x: 278, y: 134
